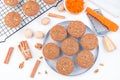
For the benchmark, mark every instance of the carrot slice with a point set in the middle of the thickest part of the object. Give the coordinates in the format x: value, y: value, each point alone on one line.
x: 105, y: 21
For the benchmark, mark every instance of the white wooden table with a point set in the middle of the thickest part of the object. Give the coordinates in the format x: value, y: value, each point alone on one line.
x: 111, y: 61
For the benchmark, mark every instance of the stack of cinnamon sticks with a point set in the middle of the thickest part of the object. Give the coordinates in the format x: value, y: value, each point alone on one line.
x: 25, y: 50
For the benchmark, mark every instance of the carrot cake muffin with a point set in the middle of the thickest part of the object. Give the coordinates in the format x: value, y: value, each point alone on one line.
x: 51, y: 51
x: 50, y: 2
x: 89, y: 41
x: 85, y: 59
x: 70, y: 46
x: 76, y: 29
x: 12, y: 19
x: 58, y: 33
x: 31, y: 8
x: 11, y: 2
x: 65, y: 65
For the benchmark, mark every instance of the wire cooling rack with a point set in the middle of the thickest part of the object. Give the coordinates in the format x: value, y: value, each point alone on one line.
x: 6, y: 32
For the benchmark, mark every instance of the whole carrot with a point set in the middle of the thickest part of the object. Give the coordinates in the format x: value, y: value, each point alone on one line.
x: 105, y: 21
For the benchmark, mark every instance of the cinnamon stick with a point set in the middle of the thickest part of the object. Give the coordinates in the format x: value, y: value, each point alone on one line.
x: 7, y: 59
x: 96, y: 71
x: 35, y: 69
x: 56, y: 15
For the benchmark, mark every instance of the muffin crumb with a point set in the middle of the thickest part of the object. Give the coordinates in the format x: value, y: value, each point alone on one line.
x: 41, y: 57
x: 46, y: 72
x: 38, y: 46
x: 21, y: 65
x: 39, y: 73
x: 96, y: 71
x: 101, y: 64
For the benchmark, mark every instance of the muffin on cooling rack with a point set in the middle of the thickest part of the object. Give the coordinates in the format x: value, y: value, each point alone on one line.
x: 70, y: 46
x: 31, y: 8
x: 49, y: 1
x: 89, y: 41
x: 58, y: 33
x: 51, y: 51
x: 65, y: 65
x: 12, y: 19
x: 85, y: 59
x: 11, y: 2
x: 76, y: 29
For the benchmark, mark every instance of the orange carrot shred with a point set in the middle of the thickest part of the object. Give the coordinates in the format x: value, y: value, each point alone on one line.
x: 75, y: 6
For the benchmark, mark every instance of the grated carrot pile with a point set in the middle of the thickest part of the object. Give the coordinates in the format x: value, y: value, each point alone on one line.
x: 75, y: 6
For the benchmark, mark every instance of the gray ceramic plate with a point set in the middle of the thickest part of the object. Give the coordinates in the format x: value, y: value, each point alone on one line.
x: 77, y: 70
